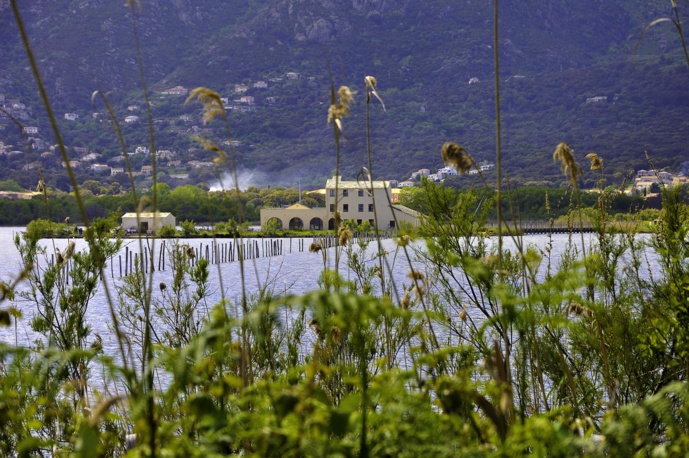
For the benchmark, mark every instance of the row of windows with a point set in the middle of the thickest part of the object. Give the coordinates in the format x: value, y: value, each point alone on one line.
x: 345, y: 193
x: 345, y: 208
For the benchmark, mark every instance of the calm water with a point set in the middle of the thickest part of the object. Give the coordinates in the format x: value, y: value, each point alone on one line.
x: 295, y: 272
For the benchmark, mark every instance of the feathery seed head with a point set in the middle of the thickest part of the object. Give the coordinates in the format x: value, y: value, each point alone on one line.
x: 568, y: 164
x: 315, y: 247
x: 69, y: 250
x: 596, y: 161
x: 190, y: 253
x: 416, y: 275
x: 212, y: 105
x: 456, y: 157
x: 337, y: 111
x: 406, y: 300
x: 345, y: 235
x: 208, y: 145
x: 371, y: 85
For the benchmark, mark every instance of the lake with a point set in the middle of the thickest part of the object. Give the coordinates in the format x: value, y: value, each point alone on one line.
x: 295, y: 271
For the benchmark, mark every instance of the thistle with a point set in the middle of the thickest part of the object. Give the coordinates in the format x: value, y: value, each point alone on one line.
x: 456, y: 157
x: 212, y: 105
x: 568, y: 164
x: 596, y: 161
x: 337, y: 111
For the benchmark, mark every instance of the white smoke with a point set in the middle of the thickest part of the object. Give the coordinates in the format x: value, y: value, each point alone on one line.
x: 246, y: 178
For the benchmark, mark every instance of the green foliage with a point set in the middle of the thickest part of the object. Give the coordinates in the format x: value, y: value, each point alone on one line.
x: 188, y: 228
x: 167, y: 231
x: 10, y: 185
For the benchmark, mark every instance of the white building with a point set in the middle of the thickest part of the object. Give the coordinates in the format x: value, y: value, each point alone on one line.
x: 148, y: 222
x: 354, y: 202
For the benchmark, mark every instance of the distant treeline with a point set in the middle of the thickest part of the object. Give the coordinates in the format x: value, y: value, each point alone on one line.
x: 194, y: 204
x: 185, y: 202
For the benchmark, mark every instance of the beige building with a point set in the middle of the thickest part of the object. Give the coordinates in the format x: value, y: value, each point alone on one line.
x: 148, y: 222
x: 354, y: 202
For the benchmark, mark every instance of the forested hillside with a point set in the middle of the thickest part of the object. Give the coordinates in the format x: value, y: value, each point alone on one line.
x: 569, y: 71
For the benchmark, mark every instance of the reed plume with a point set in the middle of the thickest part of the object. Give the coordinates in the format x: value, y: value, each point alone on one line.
x: 596, y: 161
x: 456, y: 157
x: 345, y: 235
x: 212, y: 105
x: 568, y: 164
x: 371, y: 88
x: 341, y: 109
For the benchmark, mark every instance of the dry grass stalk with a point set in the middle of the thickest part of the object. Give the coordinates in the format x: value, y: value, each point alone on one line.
x: 579, y: 310
x: 208, y: 145
x: 345, y: 235
x: 371, y: 84
x: 406, y: 300
x: 416, y: 275
x: 568, y: 164
x: 337, y: 111
x: 212, y: 105
x: 596, y: 161
x: 457, y: 157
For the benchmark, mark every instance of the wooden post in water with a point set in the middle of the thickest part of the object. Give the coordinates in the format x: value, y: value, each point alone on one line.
x: 120, y: 257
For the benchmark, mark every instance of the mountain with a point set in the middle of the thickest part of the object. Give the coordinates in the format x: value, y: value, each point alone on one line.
x: 569, y: 71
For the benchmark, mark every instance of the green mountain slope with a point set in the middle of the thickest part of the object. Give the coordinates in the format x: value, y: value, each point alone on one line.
x: 555, y: 58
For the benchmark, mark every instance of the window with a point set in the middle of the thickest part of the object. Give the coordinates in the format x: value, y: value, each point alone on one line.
x: 332, y: 193
x: 370, y: 207
x: 345, y: 208
x: 371, y: 222
x: 345, y: 193
x: 361, y: 193
x: 358, y: 221
x: 361, y: 207
x: 332, y: 207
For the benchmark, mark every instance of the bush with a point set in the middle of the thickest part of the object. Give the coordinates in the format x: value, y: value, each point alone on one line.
x: 167, y: 231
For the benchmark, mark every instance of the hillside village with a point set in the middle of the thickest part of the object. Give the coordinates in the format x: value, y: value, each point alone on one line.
x: 190, y: 166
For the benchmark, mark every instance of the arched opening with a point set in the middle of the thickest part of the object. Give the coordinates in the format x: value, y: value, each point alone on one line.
x: 296, y: 224
x: 316, y: 224
x: 274, y: 224
x: 331, y: 224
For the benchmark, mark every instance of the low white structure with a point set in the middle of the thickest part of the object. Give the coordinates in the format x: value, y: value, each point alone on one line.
x: 148, y: 222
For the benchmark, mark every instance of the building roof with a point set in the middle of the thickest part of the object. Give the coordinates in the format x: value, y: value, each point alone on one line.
x: 406, y: 210
x: 147, y: 215
x: 364, y: 184
x: 297, y: 207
